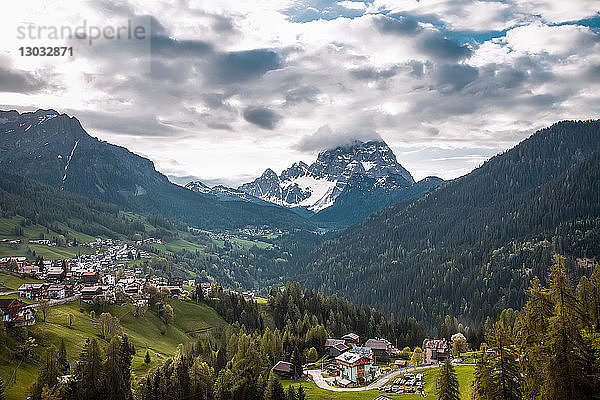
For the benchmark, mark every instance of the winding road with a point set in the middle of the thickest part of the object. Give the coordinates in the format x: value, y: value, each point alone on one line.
x: 381, y: 381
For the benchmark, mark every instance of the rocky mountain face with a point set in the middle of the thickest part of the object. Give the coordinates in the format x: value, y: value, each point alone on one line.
x: 55, y: 149
x: 316, y: 187
x: 343, y: 186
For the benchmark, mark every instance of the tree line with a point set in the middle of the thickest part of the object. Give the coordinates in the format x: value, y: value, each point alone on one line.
x: 548, y: 350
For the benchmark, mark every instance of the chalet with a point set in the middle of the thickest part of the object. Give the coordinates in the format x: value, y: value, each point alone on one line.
x: 56, y: 291
x: 33, y: 291
x: 175, y: 282
x: 205, y: 288
x: 285, y: 370
x: 30, y: 270
x: 436, y: 350
x: 132, y: 288
x: 355, y: 365
x: 400, y: 363
x: 20, y: 261
x: 335, y: 347
x: 15, y: 312
x: 173, y: 290
x: 89, y: 292
x: 381, y: 348
x: 90, y: 278
x: 69, y: 290
x: 55, y: 274
x: 351, y: 338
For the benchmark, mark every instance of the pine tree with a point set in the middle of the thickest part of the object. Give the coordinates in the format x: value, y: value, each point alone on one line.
x: 90, y: 372
x: 2, y: 390
x: 147, y: 358
x: 300, y: 395
x: 290, y: 393
x: 62, y: 355
x: 274, y: 390
x: 126, y: 352
x: 447, y: 382
x: 570, y: 356
x: 221, y: 360
x: 297, y: 361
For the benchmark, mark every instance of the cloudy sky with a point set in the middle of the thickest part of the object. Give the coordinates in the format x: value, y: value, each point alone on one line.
x: 222, y: 89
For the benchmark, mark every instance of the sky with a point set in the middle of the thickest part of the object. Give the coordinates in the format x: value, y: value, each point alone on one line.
x: 220, y: 90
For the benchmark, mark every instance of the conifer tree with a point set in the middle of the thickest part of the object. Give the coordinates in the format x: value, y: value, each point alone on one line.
x: 447, y: 382
x: 290, y: 393
x: 274, y: 390
x: 297, y: 361
x: 62, y: 355
x: 301, y: 394
x: 2, y: 390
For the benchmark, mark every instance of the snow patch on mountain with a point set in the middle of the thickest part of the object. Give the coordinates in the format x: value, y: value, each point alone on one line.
x: 317, y: 186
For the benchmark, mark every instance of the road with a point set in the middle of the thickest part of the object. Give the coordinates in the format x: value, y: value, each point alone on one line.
x: 381, y: 381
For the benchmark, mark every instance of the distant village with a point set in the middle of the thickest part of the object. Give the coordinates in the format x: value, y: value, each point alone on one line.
x: 102, y: 275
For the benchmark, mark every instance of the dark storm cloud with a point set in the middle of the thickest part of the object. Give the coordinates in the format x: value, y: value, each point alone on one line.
x: 16, y: 81
x: 440, y: 47
x: 262, y: 117
x: 452, y: 77
x: 399, y: 25
x: 242, y: 66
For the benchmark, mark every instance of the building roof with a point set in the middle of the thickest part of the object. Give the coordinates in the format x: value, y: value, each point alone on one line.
x: 90, y: 273
x: 378, y: 344
x: 351, y: 358
x: 341, y: 347
x: 364, y: 351
x: 55, y: 270
x: 333, y: 342
x: 351, y: 336
x: 31, y: 286
x: 284, y: 366
x: 5, y: 303
x: 436, y: 344
x: 90, y: 289
x: 56, y: 287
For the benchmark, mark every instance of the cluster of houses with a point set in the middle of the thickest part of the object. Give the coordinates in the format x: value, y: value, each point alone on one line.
x: 352, y: 364
x: 86, y: 277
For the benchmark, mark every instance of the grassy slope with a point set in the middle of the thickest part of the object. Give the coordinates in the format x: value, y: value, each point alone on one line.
x: 145, y: 333
x: 465, y: 377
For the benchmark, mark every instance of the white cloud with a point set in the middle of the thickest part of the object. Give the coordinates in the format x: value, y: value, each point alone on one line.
x: 235, y: 87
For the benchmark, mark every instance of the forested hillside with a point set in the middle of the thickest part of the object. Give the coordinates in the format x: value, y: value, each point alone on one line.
x: 470, y: 247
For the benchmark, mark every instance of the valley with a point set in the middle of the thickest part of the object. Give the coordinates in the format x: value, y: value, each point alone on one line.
x: 164, y: 305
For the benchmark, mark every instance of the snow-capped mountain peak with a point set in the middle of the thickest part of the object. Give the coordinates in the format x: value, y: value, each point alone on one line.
x: 317, y: 186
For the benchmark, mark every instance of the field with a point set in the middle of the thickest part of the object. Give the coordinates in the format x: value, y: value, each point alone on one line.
x: 144, y: 332
x: 464, y: 373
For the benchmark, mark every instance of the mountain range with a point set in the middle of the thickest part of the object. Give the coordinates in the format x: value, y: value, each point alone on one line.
x: 471, y: 247
x: 343, y: 186
x: 468, y: 247
x: 55, y: 149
